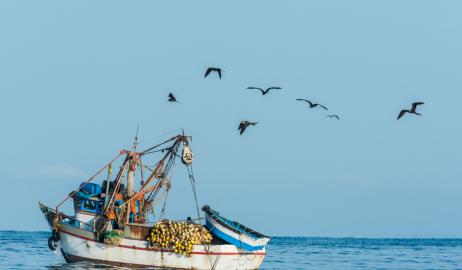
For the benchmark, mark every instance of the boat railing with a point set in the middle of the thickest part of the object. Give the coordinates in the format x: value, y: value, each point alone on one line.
x: 176, y: 220
x: 78, y: 224
x: 65, y: 219
x: 72, y: 221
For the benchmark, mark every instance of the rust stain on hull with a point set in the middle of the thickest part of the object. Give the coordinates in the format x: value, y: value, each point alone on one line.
x: 137, y: 232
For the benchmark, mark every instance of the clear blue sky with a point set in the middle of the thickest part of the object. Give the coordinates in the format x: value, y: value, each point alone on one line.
x: 76, y: 78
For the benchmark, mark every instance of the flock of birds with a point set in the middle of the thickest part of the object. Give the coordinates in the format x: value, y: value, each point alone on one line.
x: 245, y: 124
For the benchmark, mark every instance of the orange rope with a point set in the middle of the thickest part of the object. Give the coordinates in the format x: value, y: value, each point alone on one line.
x: 138, y: 195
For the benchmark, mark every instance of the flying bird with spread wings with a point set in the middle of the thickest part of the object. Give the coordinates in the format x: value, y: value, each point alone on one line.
x: 213, y: 69
x: 333, y: 116
x: 264, y: 92
x: 412, y: 110
x: 172, y: 98
x: 244, y: 125
x: 312, y: 105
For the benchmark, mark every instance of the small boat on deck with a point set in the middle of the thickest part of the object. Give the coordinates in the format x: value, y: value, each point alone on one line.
x: 115, y: 223
x: 233, y: 232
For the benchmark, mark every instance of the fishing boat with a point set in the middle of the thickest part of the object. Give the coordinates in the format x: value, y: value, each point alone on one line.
x: 123, y: 221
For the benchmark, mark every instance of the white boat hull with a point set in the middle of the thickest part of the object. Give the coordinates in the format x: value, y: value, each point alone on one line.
x: 78, y: 245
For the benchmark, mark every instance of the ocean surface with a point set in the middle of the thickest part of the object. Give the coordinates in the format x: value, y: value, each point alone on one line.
x: 29, y: 250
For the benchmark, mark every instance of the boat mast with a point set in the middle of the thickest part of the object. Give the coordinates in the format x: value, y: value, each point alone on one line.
x: 106, y: 196
x: 132, y: 166
x: 148, y: 189
x: 117, y: 181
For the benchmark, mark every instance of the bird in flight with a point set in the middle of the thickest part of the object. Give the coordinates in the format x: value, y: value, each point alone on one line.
x: 412, y: 110
x: 264, y: 92
x: 244, y: 124
x: 172, y: 98
x: 333, y: 116
x: 312, y: 105
x: 210, y: 69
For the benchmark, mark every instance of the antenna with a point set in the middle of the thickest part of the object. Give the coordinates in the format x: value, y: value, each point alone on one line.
x: 136, y: 137
x: 185, y: 138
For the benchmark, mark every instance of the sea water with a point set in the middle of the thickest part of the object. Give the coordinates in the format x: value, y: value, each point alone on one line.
x: 29, y: 250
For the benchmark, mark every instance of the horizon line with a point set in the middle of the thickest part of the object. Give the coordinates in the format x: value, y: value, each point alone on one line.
x: 312, y: 237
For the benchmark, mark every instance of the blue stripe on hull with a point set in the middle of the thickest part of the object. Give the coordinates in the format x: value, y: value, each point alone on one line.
x: 231, y: 239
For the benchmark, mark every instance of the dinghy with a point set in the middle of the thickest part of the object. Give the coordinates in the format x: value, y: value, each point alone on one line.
x: 233, y: 232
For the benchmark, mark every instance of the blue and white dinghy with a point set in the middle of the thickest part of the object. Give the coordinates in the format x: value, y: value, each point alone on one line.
x: 233, y: 232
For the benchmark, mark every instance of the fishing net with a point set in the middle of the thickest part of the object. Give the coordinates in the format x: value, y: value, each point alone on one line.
x: 179, y: 237
x: 113, y: 237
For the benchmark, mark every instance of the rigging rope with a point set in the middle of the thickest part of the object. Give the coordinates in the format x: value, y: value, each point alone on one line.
x: 155, y: 151
x: 167, y: 189
x: 162, y: 213
x: 192, y: 181
x: 154, y: 147
x: 165, y: 171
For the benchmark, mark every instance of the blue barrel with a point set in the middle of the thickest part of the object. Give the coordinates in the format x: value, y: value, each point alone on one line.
x: 90, y: 189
